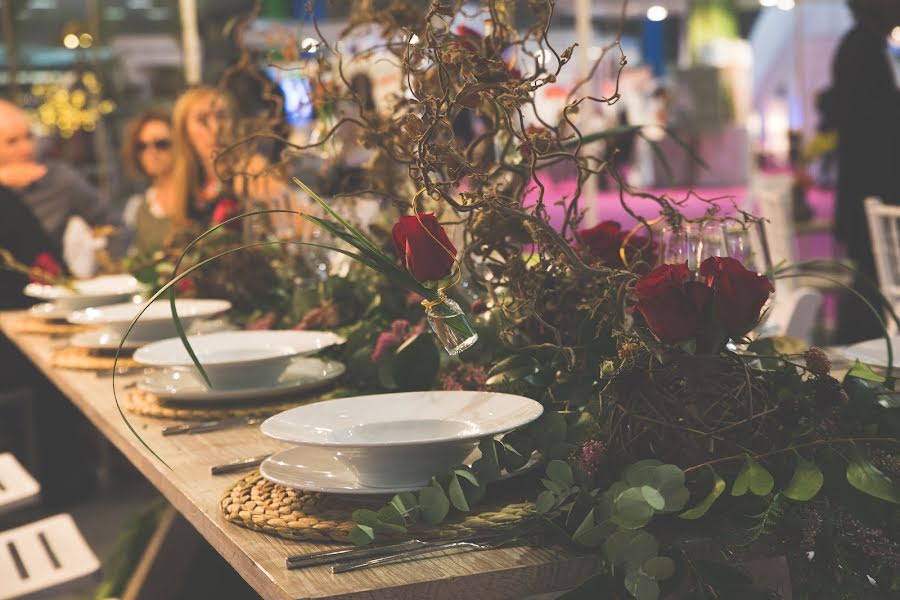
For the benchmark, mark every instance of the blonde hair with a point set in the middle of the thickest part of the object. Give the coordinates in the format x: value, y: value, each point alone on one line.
x: 188, y: 168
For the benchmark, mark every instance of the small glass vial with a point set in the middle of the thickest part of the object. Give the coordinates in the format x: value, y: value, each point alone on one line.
x: 450, y: 325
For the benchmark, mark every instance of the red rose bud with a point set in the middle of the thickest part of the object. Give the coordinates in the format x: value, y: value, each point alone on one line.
x: 739, y: 293
x: 673, y: 307
x: 224, y: 210
x: 45, y: 268
x: 424, y: 248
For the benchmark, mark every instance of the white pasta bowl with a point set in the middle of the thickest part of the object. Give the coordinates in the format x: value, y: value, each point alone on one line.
x: 97, y: 291
x: 238, y: 359
x: 155, y: 324
x: 400, y: 440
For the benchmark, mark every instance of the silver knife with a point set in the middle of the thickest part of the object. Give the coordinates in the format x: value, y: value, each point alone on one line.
x: 206, y: 426
x: 238, y: 465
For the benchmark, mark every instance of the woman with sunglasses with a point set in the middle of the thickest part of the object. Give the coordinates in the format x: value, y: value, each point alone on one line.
x: 148, y: 154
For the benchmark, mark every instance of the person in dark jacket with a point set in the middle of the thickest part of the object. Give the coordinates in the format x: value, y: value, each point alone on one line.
x: 866, y: 105
x: 22, y: 235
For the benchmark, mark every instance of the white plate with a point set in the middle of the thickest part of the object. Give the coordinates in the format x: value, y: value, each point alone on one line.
x: 874, y: 352
x: 98, y: 291
x: 238, y: 359
x: 401, y: 440
x: 105, y: 339
x: 184, y: 385
x: 319, y: 470
x: 102, y: 340
x: 49, y: 311
x: 155, y: 324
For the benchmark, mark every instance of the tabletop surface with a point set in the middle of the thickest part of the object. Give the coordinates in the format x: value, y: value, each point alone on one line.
x: 259, y: 558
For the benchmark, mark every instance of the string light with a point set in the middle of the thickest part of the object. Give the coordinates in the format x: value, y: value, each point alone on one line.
x: 73, y: 106
x: 70, y: 41
x: 657, y: 13
x: 310, y: 45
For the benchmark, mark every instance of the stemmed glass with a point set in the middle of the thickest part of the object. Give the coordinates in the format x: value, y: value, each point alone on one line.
x: 692, y: 243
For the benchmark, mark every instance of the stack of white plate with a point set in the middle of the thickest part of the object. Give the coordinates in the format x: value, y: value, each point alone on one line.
x: 240, y: 365
x: 60, y: 301
x: 387, y: 443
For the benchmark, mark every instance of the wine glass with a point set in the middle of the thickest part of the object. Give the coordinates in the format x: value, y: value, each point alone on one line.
x: 677, y: 245
x: 712, y: 241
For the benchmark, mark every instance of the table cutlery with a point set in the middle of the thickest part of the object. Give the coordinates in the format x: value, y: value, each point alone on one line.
x: 238, y: 465
x: 207, y: 426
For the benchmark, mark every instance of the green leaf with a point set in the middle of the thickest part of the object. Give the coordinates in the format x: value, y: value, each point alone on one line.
x: 626, y: 547
x: 487, y: 468
x: 861, y: 370
x: 416, y: 363
x: 705, y: 504
x: 406, y: 504
x: 510, y: 375
x: 806, y: 482
x: 364, y: 516
x: 545, y: 502
x: 457, y: 497
x: 641, y: 586
x: 361, y: 535
x: 753, y: 477
x: 641, y: 472
x: 468, y: 475
x: 390, y: 515
x: 630, y: 510
x: 653, y: 498
x: 659, y: 567
x: 560, y: 472
x: 865, y: 477
x: 434, y: 503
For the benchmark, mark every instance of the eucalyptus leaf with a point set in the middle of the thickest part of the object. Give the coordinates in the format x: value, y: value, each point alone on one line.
x: 865, y: 477
x: 434, y: 504
x: 390, y: 515
x: 457, y: 497
x: 641, y: 472
x: 545, y: 502
x: 861, y: 370
x: 626, y: 547
x: 561, y: 473
x: 641, y: 586
x: 466, y: 474
x: 753, y: 477
x: 361, y: 535
x: 806, y: 482
x: 653, y: 497
x: 487, y: 468
x: 659, y: 567
x: 364, y: 516
x: 406, y: 504
x: 705, y: 504
x: 630, y: 509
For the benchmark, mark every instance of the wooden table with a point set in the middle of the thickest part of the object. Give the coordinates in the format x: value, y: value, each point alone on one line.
x: 259, y: 558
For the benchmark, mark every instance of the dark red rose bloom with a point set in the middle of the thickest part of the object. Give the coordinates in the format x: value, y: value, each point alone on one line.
x: 603, y: 242
x: 224, y: 210
x: 421, y: 255
x: 185, y: 286
x: 673, y: 307
x: 45, y: 268
x: 739, y: 293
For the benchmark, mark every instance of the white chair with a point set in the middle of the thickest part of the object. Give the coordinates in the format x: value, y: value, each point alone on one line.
x: 772, y: 197
x: 49, y: 554
x: 884, y: 229
x: 17, y: 487
x: 794, y: 313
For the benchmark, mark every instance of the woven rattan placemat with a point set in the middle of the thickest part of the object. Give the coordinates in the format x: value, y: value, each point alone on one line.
x: 256, y: 503
x: 71, y: 357
x: 147, y: 404
x: 34, y: 325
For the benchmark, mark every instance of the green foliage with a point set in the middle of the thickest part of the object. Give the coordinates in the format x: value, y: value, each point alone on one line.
x: 753, y: 477
x: 704, y: 505
x: 806, y: 481
x: 865, y: 477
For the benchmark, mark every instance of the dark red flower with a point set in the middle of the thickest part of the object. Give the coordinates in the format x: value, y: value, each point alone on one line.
x: 673, y: 306
x: 224, y: 210
x: 390, y: 340
x: 45, y: 269
x: 604, y: 242
x: 592, y: 456
x: 423, y: 247
x: 185, y: 285
x: 739, y: 293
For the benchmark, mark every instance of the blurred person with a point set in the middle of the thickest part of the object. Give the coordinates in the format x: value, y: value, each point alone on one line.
x: 866, y: 111
x: 54, y: 192
x: 202, y: 122
x: 147, y: 153
x: 22, y: 236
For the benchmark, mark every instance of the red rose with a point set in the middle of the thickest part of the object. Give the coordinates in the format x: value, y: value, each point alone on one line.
x: 673, y: 307
x: 425, y: 258
x: 739, y: 293
x: 604, y: 243
x: 224, y: 210
x: 45, y: 269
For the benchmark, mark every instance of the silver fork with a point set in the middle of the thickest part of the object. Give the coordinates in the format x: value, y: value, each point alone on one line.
x: 402, y: 556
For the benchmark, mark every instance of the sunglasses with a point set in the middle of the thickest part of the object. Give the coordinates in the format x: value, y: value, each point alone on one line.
x: 160, y: 145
